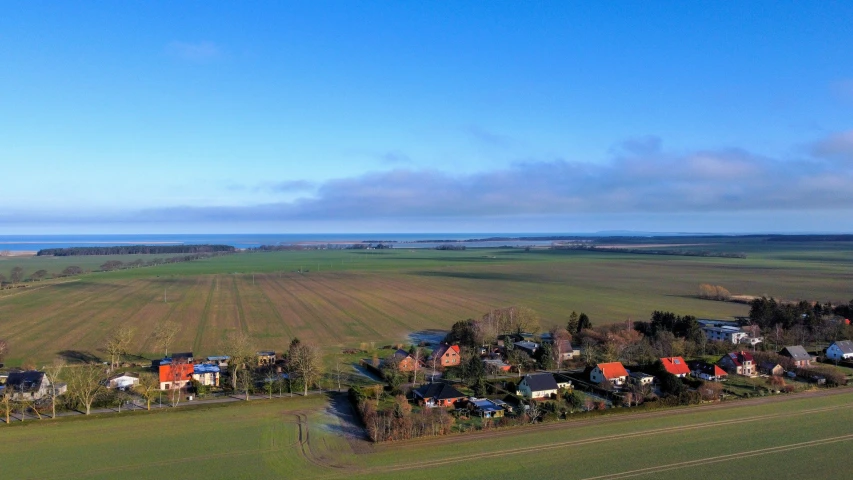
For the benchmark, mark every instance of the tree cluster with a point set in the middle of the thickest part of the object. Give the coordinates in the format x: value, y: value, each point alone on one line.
x: 134, y: 250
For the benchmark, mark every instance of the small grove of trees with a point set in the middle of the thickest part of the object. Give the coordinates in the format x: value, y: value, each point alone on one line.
x: 502, y: 321
x: 714, y: 292
x: 16, y: 275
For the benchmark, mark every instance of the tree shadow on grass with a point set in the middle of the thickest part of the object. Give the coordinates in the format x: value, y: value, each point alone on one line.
x: 507, y: 277
x: 79, y: 356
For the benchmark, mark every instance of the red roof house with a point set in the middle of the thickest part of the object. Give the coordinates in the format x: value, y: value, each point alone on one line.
x: 175, y: 375
x: 676, y: 366
x: 613, y: 372
x: 446, y: 355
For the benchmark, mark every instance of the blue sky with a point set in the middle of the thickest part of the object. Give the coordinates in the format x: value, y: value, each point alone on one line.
x: 426, y: 116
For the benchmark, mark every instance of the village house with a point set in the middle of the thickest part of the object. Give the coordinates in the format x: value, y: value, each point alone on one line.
x: 495, y: 365
x: 174, y: 373
x: 771, y: 368
x: 220, y: 361
x: 445, y: 355
x: 265, y: 358
x: 538, y: 385
x: 483, y: 407
x: 123, y: 381
x: 527, y: 346
x: 724, y: 333
x: 740, y: 363
x: 707, y: 371
x: 798, y: 354
x: 641, y: 379
x: 437, y: 395
x: 613, y: 372
x: 207, y: 375
x: 405, y: 362
x: 840, y: 350
x: 676, y: 366
x: 31, y: 385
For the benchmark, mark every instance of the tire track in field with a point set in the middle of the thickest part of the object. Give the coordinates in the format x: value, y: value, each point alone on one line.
x: 357, y: 301
x: 273, y: 308
x: 239, y: 303
x: 605, y: 438
x: 83, y: 320
x: 723, y: 458
x: 311, y: 311
x: 205, y: 315
x: 377, y: 298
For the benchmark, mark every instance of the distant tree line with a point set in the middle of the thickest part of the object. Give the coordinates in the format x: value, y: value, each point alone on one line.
x: 135, y: 250
x: 646, y: 251
x: 447, y: 246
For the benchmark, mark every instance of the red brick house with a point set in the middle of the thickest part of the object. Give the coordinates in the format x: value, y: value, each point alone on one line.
x: 405, y: 362
x: 438, y: 395
x: 446, y: 355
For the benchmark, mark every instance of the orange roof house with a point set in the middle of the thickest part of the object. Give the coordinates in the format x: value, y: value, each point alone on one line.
x: 614, y: 372
x: 446, y: 355
x: 175, y: 375
x: 676, y: 366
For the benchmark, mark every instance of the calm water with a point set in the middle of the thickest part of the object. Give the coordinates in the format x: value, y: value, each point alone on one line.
x: 409, y: 240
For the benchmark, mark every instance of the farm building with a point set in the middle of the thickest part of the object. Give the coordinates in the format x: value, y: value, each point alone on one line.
x: 265, y: 358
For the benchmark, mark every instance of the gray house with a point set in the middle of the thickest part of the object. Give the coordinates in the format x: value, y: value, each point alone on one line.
x: 798, y: 354
x: 32, y: 385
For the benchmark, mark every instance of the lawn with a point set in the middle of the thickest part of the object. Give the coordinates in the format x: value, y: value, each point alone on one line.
x: 794, y: 437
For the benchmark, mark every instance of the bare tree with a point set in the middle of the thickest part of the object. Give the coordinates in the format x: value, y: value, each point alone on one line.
x: 305, y: 362
x: 53, y: 372
x: 238, y: 346
x: 417, y: 355
x: 85, y: 384
x: 148, y: 385
x: 4, y: 349
x: 39, y: 274
x: 118, y: 344
x: 17, y: 275
x: 339, y: 371
x: 7, y: 403
x: 246, y: 378
x: 164, y: 334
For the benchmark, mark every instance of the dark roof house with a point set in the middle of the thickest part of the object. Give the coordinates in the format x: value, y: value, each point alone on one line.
x: 796, y: 353
x: 437, y: 395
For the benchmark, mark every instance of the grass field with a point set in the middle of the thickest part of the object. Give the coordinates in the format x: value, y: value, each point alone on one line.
x: 798, y: 437
x: 348, y: 297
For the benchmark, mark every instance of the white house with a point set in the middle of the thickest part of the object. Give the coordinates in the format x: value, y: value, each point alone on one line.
x: 123, y: 381
x: 539, y: 385
x: 841, y: 350
x: 724, y: 333
x: 613, y: 372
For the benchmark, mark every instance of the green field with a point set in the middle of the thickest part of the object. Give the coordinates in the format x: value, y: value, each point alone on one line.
x: 798, y: 437
x: 348, y: 297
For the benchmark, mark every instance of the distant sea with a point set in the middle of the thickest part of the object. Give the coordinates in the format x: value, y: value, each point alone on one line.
x: 401, y: 240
